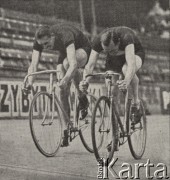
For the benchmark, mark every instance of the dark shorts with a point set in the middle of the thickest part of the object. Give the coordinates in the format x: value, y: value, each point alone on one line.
x: 115, y: 63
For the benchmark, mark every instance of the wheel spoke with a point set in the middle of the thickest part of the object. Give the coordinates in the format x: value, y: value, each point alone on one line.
x: 85, y: 125
x: 102, y: 130
x: 137, y: 138
x: 46, y: 129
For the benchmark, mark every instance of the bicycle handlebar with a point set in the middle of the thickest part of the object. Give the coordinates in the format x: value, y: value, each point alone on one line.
x: 37, y: 73
x: 107, y: 73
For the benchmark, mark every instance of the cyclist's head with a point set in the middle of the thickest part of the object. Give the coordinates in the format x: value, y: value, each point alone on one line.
x: 110, y: 42
x: 42, y: 32
x: 43, y: 36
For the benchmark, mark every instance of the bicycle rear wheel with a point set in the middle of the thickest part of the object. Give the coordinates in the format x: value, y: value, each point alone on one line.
x: 104, y: 130
x: 45, y: 124
x: 137, y: 133
x: 85, y: 125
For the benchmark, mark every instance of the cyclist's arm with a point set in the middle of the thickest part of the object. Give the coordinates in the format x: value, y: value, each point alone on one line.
x: 71, y: 57
x: 34, y: 65
x: 131, y: 63
x: 59, y: 71
x: 91, y: 64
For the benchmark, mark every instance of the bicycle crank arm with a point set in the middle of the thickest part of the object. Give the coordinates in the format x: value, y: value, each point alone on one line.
x: 104, y: 131
x: 74, y: 129
x: 45, y: 124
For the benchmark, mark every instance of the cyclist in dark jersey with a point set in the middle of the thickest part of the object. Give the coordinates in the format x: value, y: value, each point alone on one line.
x: 74, y: 49
x: 124, y: 54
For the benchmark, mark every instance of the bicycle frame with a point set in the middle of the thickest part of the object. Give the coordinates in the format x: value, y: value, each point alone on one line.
x: 111, y: 97
x: 123, y: 133
x: 108, y: 75
x: 106, y: 119
x: 52, y: 92
x: 73, y: 126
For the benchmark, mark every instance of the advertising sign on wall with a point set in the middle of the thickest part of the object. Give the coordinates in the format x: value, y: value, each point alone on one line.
x: 13, y: 103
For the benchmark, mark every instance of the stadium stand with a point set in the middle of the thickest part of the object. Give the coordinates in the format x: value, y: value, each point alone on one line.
x: 16, y: 39
x: 156, y: 65
x: 157, y: 21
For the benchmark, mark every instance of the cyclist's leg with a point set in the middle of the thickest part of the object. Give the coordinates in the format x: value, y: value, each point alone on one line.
x: 76, y: 80
x: 83, y: 101
x: 63, y: 96
x: 82, y: 55
x: 82, y: 58
x: 135, y: 80
x: 135, y: 91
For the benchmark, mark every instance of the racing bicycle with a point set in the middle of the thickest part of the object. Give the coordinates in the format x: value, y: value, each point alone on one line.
x: 45, y: 118
x: 110, y: 130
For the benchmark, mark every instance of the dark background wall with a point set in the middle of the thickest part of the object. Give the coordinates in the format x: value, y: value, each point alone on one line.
x: 118, y: 12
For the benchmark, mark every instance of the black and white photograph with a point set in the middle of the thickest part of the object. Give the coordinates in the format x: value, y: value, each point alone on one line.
x: 84, y: 89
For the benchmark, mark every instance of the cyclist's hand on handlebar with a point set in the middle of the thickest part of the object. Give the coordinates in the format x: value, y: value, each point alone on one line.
x: 122, y: 84
x: 27, y: 90
x: 83, y: 86
x: 63, y: 83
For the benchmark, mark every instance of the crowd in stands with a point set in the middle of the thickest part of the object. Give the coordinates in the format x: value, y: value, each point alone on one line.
x: 156, y: 22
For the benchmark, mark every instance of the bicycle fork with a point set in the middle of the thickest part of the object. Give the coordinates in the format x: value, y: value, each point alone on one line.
x: 110, y: 95
x: 52, y: 98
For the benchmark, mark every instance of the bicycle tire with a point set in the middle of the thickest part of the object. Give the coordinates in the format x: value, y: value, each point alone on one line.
x: 85, y: 138
x: 101, y: 147
x: 40, y: 116
x: 142, y: 125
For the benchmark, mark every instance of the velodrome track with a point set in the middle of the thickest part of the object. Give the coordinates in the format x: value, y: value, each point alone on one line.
x: 20, y: 160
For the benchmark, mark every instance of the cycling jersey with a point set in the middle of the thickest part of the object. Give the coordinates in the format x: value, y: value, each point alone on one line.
x: 126, y: 36
x: 64, y: 36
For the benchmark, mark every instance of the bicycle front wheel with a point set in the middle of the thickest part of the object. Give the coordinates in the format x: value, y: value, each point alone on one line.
x: 104, y: 130
x: 137, y: 133
x: 45, y: 124
x: 85, y: 125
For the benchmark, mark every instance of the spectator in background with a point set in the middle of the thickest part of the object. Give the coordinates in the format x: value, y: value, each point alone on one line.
x: 157, y: 22
x: 74, y: 49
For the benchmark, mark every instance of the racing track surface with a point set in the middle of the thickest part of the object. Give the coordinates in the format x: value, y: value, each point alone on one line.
x: 20, y: 160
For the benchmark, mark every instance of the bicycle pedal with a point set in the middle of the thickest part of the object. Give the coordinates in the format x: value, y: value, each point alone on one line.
x: 70, y: 138
x: 74, y: 129
x: 121, y: 135
x: 65, y: 141
x: 125, y: 134
x: 86, y: 121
